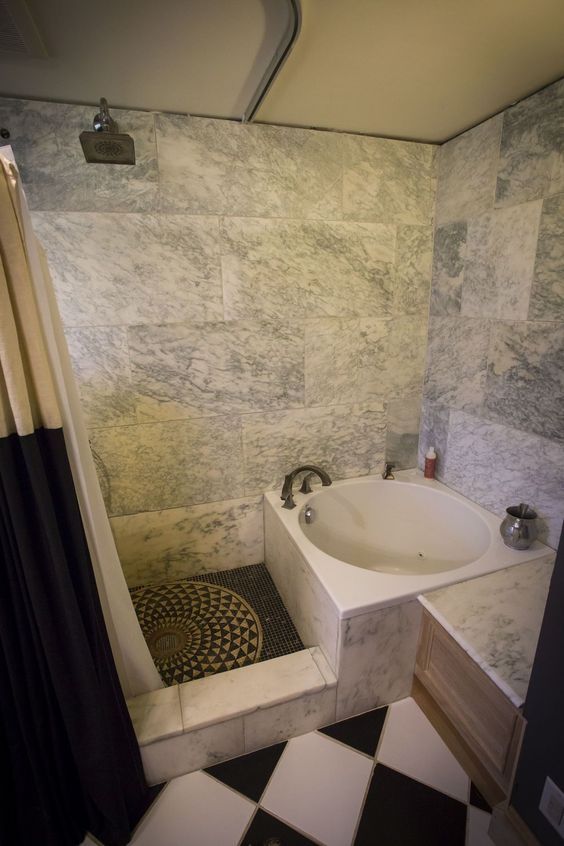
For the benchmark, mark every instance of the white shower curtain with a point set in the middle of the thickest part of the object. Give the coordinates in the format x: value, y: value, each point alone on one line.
x: 135, y: 666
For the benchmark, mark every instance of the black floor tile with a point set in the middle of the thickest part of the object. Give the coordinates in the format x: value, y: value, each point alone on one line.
x: 249, y: 774
x: 264, y: 827
x: 362, y: 732
x: 478, y: 800
x: 399, y: 811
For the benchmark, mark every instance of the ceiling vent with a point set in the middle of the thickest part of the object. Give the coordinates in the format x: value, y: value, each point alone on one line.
x: 18, y: 32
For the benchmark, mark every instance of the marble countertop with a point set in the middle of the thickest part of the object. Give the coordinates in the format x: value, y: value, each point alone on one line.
x: 496, y: 619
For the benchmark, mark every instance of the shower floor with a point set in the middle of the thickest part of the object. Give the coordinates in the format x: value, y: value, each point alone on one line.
x: 215, y: 622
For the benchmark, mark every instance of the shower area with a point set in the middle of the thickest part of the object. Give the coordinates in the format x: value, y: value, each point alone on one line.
x: 236, y: 300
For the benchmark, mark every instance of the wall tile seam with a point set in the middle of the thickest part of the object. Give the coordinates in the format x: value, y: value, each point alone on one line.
x: 251, y: 499
x: 479, y: 413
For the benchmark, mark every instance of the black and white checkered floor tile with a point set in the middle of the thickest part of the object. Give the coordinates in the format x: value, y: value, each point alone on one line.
x: 385, y: 777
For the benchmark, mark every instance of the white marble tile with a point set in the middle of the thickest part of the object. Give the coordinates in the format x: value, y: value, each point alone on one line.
x: 100, y: 362
x: 376, y: 658
x: 531, y: 156
x: 155, y: 466
x: 312, y: 611
x: 175, y: 756
x: 177, y: 543
x: 467, y: 172
x: 201, y: 369
x: 318, y: 787
x: 389, y: 181
x: 287, y: 269
x: 411, y: 746
x: 497, y: 466
x: 198, y: 809
x: 449, y: 256
x: 547, y: 295
x: 289, y: 719
x: 402, y: 432
x: 242, y: 691
x: 500, y: 260
x: 332, y: 353
x: 345, y: 440
x: 525, y: 379
x: 414, y: 254
x: 456, y: 362
x: 498, y: 618
x: 56, y: 176
x: 156, y: 715
x: 132, y: 268
x: 209, y: 166
x: 405, y: 365
x: 434, y: 432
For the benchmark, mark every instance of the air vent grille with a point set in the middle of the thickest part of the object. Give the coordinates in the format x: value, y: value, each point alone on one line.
x: 18, y: 33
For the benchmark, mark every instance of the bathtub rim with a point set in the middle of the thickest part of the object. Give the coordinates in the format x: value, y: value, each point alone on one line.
x: 355, y: 591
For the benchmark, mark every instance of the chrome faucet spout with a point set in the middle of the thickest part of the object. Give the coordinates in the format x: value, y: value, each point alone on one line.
x: 287, y: 495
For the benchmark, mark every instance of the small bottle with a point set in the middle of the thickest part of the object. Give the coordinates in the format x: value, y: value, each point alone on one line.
x: 430, y: 461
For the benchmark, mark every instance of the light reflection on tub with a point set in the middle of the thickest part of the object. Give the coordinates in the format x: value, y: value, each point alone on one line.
x: 395, y: 528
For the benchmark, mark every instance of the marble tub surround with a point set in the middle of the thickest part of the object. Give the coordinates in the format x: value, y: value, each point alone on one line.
x: 497, y: 619
x: 250, y: 298
x: 495, y: 356
x: 198, y: 723
x: 177, y: 543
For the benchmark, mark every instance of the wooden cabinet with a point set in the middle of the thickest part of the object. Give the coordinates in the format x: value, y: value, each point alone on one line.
x: 489, y: 726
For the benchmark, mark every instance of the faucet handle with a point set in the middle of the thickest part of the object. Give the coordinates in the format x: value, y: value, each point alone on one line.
x: 387, y: 474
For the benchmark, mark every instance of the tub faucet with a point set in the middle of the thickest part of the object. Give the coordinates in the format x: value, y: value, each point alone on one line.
x: 286, y: 494
x: 387, y: 474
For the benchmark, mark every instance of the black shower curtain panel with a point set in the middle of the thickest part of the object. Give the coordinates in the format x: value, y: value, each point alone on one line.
x: 69, y: 755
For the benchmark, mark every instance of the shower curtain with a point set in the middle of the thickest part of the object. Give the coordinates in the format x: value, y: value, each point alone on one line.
x: 66, y: 740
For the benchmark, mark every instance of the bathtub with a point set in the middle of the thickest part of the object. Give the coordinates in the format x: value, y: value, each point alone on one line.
x: 350, y: 578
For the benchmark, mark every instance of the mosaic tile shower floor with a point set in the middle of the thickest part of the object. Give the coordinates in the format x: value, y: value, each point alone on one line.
x: 215, y: 622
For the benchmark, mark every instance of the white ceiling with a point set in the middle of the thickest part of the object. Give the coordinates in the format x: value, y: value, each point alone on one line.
x: 420, y: 69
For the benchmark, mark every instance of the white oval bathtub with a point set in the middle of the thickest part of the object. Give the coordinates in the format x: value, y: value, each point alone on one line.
x: 375, y: 543
x: 394, y: 528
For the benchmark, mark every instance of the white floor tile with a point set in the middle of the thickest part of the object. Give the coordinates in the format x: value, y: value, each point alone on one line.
x: 477, y: 828
x: 196, y: 809
x: 318, y: 787
x: 411, y: 745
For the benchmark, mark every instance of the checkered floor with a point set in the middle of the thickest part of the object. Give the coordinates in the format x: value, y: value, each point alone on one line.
x: 382, y: 779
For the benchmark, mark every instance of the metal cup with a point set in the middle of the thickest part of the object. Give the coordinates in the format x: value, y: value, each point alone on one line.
x: 519, y: 528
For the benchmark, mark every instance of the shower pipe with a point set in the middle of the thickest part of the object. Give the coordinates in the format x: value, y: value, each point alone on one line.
x: 280, y: 55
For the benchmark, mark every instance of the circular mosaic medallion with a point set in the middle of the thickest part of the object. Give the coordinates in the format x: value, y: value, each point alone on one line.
x: 196, y: 629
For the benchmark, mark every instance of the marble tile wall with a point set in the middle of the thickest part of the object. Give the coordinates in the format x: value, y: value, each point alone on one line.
x: 243, y: 299
x: 493, y: 401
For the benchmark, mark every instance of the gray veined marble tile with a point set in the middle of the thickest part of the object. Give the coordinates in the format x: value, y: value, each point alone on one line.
x: 204, y: 369
x: 532, y: 148
x: 449, y: 255
x: 123, y: 269
x: 456, y: 362
x: 178, y: 543
x: 402, y: 432
x: 100, y: 361
x: 154, y: 466
x: 525, y: 382
x: 56, y: 176
x: 467, y: 173
x: 498, y: 466
x: 405, y: 366
x: 284, y: 269
x: 332, y: 352
x: 413, y: 269
x: 345, y: 440
x: 434, y: 432
x: 500, y: 259
x: 547, y: 294
x: 387, y: 181
x: 212, y: 166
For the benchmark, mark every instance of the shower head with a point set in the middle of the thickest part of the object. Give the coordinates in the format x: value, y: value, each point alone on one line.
x: 105, y: 145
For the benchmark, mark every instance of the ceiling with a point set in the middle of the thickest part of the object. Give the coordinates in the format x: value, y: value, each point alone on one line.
x: 416, y: 69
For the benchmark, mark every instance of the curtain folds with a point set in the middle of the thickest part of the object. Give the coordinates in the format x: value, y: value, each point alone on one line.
x: 66, y: 740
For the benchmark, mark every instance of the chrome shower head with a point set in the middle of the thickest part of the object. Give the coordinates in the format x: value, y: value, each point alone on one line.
x: 105, y: 145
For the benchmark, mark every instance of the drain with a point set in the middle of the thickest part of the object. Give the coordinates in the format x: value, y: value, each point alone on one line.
x: 165, y: 642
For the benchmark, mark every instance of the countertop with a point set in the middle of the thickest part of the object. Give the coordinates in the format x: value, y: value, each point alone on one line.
x: 496, y: 619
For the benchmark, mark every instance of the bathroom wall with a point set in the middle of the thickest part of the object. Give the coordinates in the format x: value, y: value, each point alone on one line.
x: 244, y: 299
x: 494, y: 385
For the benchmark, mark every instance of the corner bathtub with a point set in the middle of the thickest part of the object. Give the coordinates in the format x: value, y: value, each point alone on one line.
x: 350, y: 579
